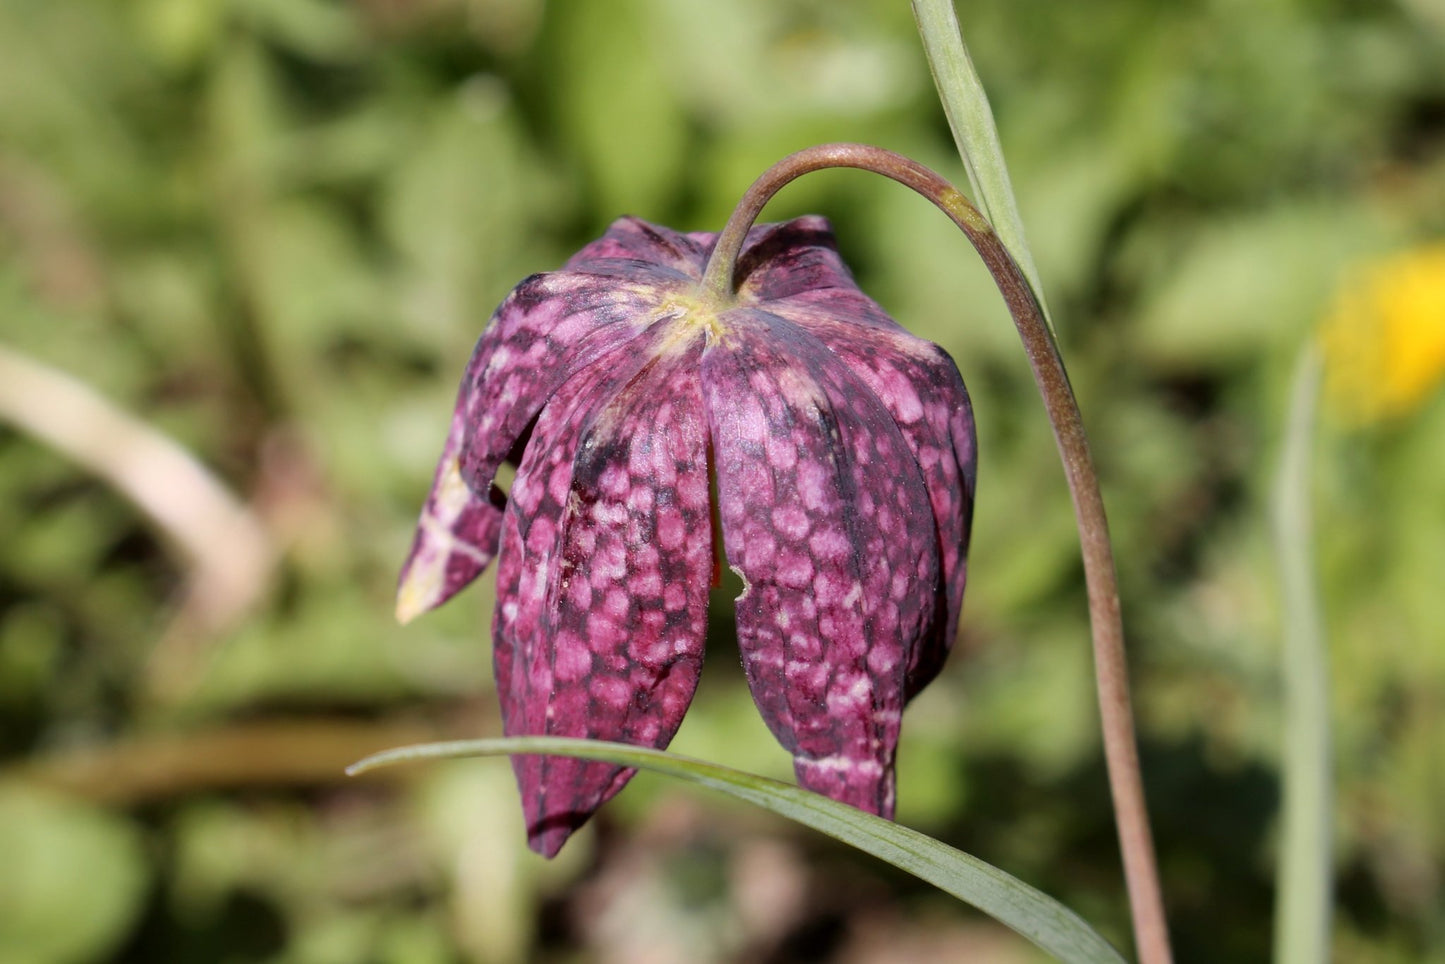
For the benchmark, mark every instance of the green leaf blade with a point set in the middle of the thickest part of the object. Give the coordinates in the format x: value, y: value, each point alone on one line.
x: 1306, y: 877
x: 1029, y: 912
x: 966, y: 106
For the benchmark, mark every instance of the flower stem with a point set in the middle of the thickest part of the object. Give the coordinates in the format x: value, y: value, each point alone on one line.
x: 1111, y: 671
x: 1302, y: 920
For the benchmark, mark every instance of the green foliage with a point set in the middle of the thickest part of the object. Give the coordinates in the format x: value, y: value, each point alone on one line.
x: 75, y: 877
x: 1008, y: 900
x: 271, y: 229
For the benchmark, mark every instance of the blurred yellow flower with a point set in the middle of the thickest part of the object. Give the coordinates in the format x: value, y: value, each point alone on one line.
x: 1384, y: 337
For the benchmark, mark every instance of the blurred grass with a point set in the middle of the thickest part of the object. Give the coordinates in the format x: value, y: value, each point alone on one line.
x: 272, y: 229
x: 1302, y: 917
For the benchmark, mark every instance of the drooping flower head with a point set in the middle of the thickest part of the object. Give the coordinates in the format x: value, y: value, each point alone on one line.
x: 843, y: 452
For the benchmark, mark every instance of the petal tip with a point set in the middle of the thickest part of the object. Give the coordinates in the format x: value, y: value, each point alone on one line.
x: 547, y: 841
x: 419, y: 589
x: 430, y: 578
x: 863, y: 783
x: 409, y: 605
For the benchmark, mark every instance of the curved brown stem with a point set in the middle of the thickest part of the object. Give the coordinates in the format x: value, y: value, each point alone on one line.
x: 1110, y: 666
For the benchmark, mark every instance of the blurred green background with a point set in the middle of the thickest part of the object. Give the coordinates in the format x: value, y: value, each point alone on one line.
x: 270, y: 230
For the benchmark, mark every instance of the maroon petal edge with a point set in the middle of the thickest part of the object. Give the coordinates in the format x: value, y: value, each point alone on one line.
x: 603, y: 607
x: 825, y: 516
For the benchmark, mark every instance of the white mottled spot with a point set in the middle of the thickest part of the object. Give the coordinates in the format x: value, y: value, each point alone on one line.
x: 610, y: 691
x: 614, y: 481
x: 640, y: 500
x: 748, y: 421
x: 860, y: 688
x: 616, y: 603
x: 572, y: 662
x: 653, y: 654
x: 827, y: 544
x: 760, y: 550
x: 906, y: 406
x: 791, y: 521
x: 882, y: 660
x: 839, y: 761
x: 782, y: 453
x: 646, y: 584
x: 671, y: 529
x: 609, y: 513
x: 812, y: 485
x: 795, y: 570
x: 805, y: 647
x: 501, y: 357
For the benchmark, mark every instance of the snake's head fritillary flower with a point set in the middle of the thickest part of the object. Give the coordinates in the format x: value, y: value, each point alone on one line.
x: 843, y: 453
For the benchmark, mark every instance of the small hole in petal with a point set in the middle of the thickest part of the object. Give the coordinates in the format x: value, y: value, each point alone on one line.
x: 507, y: 472
x: 502, y: 483
x: 736, y: 584
x: 722, y: 655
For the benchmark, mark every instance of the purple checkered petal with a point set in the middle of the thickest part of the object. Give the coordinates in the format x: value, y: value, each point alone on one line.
x: 604, y: 579
x: 794, y: 257
x: 825, y: 517
x: 649, y: 246
x: 920, y: 386
x: 455, y: 539
x: 548, y: 328
x: 795, y: 272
